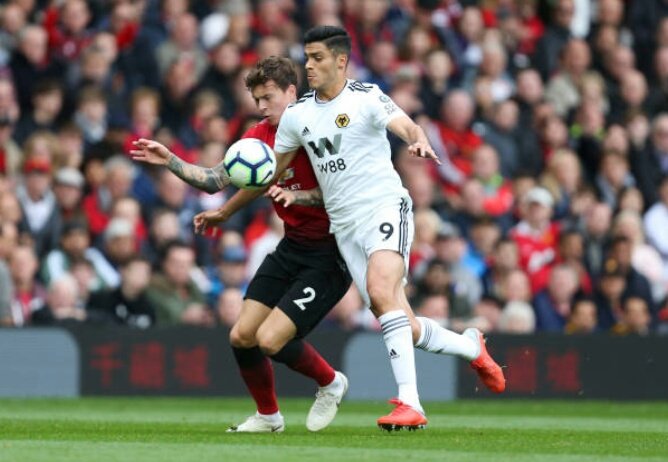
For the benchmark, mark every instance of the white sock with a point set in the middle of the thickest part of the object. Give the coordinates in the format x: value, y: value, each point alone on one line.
x: 399, y: 342
x: 276, y: 417
x: 436, y: 339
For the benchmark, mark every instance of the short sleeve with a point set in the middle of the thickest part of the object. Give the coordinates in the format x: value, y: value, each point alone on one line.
x: 287, y: 137
x: 381, y: 108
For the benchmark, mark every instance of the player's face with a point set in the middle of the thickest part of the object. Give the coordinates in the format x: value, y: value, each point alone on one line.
x: 272, y: 101
x: 323, y: 68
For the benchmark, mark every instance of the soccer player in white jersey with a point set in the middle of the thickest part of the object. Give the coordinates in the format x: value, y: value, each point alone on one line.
x: 342, y: 126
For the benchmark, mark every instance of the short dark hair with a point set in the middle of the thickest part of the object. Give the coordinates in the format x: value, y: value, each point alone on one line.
x: 276, y: 68
x: 335, y: 38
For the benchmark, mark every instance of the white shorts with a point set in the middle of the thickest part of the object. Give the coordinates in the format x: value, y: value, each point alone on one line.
x: 386, y: 228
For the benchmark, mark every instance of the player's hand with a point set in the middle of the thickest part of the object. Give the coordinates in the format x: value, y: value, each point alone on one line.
x: 281, y: 195
x: 150, y: 152
x: 423, y: 150
x: 207, y: 219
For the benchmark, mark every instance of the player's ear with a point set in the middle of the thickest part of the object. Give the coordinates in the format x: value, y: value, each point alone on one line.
x: 291, y: 91
x: 342, y: 60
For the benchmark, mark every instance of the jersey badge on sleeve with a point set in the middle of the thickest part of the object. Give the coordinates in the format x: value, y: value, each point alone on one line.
x: 342, y: 120
x: 306, y: 131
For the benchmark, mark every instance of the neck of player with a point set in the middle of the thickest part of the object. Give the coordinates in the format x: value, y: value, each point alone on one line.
x: 331, y: 92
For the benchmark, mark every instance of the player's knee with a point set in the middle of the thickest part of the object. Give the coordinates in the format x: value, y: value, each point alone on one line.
x: 240, y: 338
x: 269, y: 343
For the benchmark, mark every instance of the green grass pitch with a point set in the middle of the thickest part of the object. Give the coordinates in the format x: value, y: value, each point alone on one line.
x: 183, y: 430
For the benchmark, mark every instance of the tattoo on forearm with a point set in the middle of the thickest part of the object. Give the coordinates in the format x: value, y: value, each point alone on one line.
x: 210, y: 180
x: 311, y: 198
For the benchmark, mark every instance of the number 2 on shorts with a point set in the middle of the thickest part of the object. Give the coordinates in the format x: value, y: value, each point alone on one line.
x: 310, y: 295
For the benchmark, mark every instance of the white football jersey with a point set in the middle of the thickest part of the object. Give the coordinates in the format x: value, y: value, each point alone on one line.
x: 346, y: 141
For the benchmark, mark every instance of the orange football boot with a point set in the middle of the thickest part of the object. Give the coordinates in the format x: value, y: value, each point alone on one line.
x: 488, y: 370
x: 403, y: 416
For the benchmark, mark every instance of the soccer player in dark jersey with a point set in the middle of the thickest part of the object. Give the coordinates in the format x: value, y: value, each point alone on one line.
x: 296, y: 285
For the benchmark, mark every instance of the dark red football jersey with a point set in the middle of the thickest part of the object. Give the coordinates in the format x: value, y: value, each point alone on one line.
x: 302, y: 224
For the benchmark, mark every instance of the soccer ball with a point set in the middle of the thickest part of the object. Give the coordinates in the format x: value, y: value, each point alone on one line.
x: 250, y: 163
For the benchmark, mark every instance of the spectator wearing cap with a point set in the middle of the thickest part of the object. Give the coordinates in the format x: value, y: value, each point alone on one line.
x: 230, y: 270
x: 173, y: 292
x: 127, y: 304
x: 536, y: 236
x: 68, y: 184
x: 41, y: 218
x: 74, y: 246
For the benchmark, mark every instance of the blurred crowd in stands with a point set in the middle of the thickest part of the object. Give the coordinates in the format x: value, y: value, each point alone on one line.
x: 549, y: 211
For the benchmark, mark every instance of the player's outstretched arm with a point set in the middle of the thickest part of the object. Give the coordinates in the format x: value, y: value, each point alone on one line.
x: 414, y: 136
x: 210, y: 180
x: 310, y: 197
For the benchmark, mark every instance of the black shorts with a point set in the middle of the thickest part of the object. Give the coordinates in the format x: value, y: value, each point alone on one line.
x: 304, y: 282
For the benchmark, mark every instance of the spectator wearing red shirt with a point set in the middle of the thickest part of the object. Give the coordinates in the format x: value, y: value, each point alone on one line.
x: 67, y: 29
x: 457, y: 140
x: 537, y: 236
